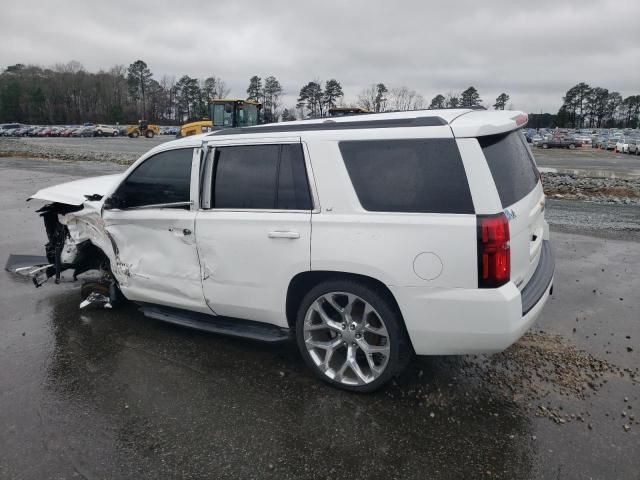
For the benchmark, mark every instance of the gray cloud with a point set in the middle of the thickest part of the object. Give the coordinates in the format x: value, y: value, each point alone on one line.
x: 534, y: 51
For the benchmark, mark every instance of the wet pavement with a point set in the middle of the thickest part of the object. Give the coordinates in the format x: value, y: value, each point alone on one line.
x: 112, y: 394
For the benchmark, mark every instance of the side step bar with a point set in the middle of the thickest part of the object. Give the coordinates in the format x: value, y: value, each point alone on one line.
x: 263, y: 332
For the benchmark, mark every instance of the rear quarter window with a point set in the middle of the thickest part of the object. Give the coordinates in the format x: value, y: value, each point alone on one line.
x: 512, y: 166
x: 413, y: 175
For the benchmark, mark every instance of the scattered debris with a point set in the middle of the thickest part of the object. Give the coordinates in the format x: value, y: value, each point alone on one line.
x: 97, y: 299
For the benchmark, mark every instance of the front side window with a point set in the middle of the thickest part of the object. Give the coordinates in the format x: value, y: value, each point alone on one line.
x: 161, y: 179
x: 262, y: 177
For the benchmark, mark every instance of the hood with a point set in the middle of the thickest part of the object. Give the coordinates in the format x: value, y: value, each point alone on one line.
x: 73, y: 193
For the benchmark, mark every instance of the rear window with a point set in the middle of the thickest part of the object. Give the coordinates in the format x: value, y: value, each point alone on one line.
x: 414, y: 175
x: 512, y: 167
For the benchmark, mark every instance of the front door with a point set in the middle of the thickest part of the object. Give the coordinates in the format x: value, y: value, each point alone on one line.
x: 254, y: 230
x: 150, y: 220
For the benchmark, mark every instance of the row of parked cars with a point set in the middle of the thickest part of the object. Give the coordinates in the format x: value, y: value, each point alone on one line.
x: 86, y: 130
x: 619, y: 141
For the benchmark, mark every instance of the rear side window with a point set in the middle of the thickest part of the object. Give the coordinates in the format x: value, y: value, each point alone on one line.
x: 160, y: 179
x: 414, y: 175
x: 265, y: 177
x: 512, y: 167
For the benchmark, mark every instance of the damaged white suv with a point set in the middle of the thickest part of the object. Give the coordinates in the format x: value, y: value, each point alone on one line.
x: 366, y: 238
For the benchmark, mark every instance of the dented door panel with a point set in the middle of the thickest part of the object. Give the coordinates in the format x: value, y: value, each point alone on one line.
x: 157, y: 261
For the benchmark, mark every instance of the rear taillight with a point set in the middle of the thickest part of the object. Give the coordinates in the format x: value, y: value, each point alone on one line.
x: 494, y: 255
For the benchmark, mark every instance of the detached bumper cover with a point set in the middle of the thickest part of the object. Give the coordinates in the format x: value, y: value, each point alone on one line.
x: 541, y: 279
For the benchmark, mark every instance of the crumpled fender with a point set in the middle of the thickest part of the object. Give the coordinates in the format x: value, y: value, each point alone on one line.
x: 87, y: 224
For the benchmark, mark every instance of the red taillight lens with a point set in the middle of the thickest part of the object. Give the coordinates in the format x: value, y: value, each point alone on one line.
x: 494, y: 255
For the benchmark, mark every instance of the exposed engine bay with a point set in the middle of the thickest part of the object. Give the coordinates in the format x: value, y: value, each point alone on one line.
x: 65, y: 251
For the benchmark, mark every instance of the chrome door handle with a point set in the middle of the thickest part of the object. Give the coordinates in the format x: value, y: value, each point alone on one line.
x: 279, y: 234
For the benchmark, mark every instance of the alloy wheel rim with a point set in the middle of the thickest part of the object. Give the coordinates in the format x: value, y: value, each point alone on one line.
x: 346, y: 338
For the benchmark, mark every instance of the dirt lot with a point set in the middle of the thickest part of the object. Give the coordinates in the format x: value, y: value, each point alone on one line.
x: 112, y: 394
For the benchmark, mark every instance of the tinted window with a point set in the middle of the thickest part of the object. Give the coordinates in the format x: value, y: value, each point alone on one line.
x: 512, y: 167
x: 246, y: 177
x: 261, y: 177
x: 293, y: 187
x: 421, y: 175
x: 163, y: 178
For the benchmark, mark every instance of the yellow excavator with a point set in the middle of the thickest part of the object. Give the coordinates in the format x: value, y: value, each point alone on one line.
x: 143, y: 129
x: 224, y: 113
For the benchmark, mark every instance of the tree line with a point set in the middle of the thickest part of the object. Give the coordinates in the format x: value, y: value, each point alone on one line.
x: 69, y: 94
x: 596, y: 107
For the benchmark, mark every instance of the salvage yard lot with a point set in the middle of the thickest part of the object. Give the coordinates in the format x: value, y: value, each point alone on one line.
x: 101, y: 394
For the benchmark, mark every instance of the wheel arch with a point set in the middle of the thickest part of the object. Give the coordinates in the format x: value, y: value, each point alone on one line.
x: 301, y: 283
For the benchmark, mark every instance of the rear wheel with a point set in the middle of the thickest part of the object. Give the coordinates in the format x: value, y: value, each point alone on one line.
x: 544, y: 145
x: 571, y: 146
x: 351, y: 335
x: 149, y: 134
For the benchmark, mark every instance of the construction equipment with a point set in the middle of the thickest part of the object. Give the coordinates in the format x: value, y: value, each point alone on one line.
x: 224, y: 113
x: 344, y: 111
x: 143, y: 129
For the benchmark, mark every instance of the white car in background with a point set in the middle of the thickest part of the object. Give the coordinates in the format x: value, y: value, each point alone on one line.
x: 622, y: 145
x: 105, y: 131
x: 366, y: 239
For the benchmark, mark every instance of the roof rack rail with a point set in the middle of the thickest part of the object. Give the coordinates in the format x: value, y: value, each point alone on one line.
x: 330, y: 124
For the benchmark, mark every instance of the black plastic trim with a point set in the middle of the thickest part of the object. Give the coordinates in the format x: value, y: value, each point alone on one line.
x: 539, y: 282
x: 234, y: 327
x: 334, y: 125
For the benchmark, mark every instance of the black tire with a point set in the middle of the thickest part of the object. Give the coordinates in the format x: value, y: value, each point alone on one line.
x: 571, y: 146
x: 544, y: 145
x: 149, y: 134
x: 400, y: 346
x: 115, y: 134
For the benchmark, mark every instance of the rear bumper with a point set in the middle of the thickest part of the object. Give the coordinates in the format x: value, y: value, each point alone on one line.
x: 463, y: 321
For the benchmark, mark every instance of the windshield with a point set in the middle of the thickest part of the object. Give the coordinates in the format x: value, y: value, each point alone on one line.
x: 247, y: 116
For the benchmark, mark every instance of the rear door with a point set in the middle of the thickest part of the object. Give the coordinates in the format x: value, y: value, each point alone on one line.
x: 517, y: 180
x: 253, y: 231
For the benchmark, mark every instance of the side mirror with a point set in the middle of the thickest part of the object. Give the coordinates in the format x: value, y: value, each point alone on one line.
x: 112, y: 202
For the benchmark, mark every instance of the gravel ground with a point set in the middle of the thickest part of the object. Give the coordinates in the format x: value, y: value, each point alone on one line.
x: 600, y: 190
x: 120, y: 150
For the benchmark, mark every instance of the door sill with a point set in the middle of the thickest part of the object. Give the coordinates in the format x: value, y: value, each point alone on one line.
x: 234, y: 327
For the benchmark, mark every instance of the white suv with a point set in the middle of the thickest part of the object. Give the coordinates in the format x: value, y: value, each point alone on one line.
x: 105, y: 130
x: 366, y: 238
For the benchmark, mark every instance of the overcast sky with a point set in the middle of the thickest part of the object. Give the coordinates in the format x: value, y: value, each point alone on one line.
x: 532, y: 50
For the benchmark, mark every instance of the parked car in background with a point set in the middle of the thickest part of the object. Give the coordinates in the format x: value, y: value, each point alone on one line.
x: 9, y: 126
x: 601, y: 142
x: 44, y: 132
x: 561, y: 142
x: 83, y: 132
x: 584, y: 139
x: 611, y: 143
x: 105, y: 130
x: 634, y: 146
x: 622, y: 145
